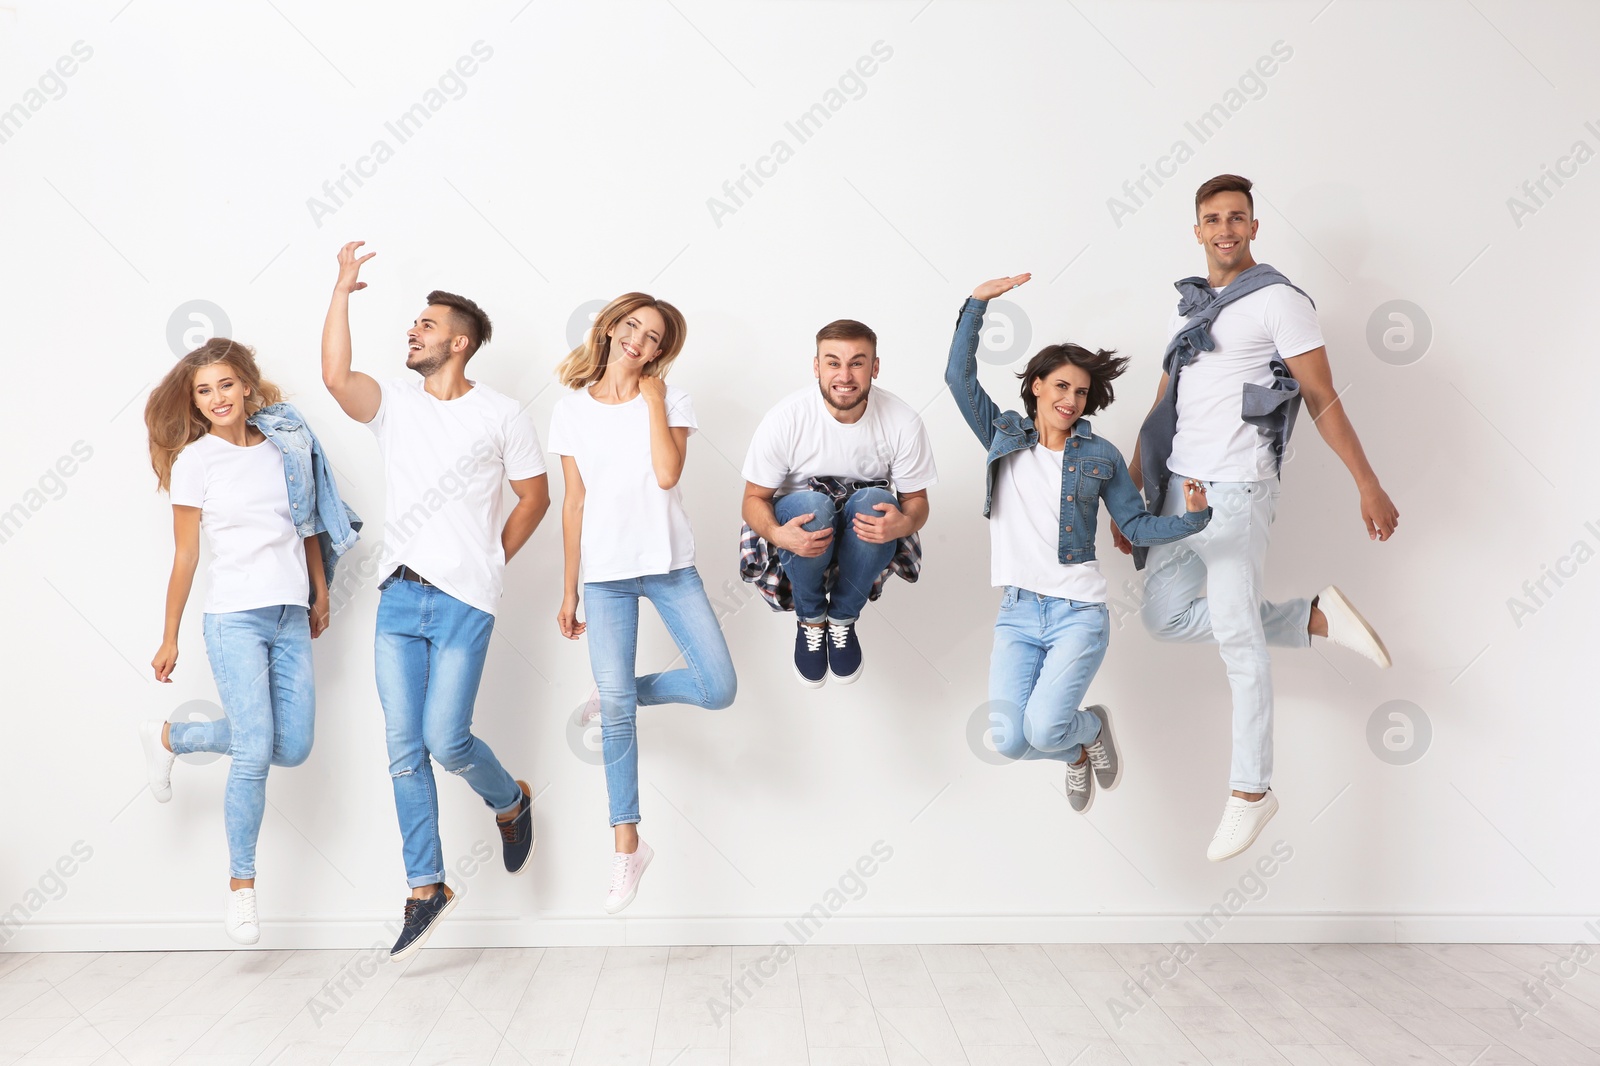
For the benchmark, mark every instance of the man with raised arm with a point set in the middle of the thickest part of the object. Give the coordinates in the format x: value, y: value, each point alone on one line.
x: 449, y: 444
x: 1245, y: 349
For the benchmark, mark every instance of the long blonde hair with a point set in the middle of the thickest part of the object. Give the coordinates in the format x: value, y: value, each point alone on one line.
x: 586, y: 364
x: 171, y: 417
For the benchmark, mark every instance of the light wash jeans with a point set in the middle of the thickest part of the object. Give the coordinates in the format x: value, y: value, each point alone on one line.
x: 860, y: 563
x: 611, y: 613
x: 1046, y: 651
x: 261, y: 660
x: 1209, y: 587
x: 430, y: 652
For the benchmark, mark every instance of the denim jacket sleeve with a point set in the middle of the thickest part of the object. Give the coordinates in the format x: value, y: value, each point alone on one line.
x: 961, y: 373
x: 337, y: 524
x: 1138, y: 525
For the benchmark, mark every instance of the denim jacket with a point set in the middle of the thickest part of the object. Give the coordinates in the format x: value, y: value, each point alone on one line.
x: 314, y: 499
x: 1093, y: 471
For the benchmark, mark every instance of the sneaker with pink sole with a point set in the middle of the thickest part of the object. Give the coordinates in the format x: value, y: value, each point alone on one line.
x: 626, y: 872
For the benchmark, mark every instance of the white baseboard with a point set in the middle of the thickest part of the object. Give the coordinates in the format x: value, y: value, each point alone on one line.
x: 478, y: 932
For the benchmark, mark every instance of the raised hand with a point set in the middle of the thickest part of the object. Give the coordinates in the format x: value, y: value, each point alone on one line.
x: 990, y: 289
x: 350, y: 267
x: 652, y: 388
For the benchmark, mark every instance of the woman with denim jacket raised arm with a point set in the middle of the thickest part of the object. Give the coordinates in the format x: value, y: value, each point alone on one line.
x: 1047, y: 476
x: 245, y: 468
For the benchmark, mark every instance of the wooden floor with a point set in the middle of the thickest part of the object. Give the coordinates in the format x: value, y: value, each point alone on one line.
x: 1301, y: 1005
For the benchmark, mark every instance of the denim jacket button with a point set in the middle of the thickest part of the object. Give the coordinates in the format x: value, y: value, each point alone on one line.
x: 1069, y: 529
x: 1074, y: 444
x: 1071, y: 469
x: 1069, y: 499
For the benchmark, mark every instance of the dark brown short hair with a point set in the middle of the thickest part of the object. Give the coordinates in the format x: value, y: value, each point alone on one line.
x: 848, y: 329
x: 1104, y: 367
x: 470, y: 319
x: 1224, y: 183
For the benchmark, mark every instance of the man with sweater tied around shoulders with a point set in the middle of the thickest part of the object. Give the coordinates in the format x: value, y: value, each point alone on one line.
x: 1245, y: 350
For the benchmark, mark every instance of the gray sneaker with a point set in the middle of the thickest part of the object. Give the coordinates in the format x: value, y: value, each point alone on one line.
x: 1080, y: 786
x: 1103, y: 754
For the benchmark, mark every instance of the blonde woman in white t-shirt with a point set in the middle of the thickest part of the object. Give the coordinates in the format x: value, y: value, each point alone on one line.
x: 623, y: 436
x: 227, y: 451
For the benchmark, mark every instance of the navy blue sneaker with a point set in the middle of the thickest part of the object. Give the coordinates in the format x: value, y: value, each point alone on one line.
x: 810, y: 656
x: 844, y: 652
x: 421, y: 916
x: 516, y: 833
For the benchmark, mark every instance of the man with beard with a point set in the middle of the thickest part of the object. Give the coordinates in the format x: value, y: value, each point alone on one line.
x: 448, y: 445
x: 837, y: 482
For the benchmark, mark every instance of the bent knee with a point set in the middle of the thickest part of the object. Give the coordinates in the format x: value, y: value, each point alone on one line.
x: 862, y: 501
x: 721, y: 694
x: 292, y: 754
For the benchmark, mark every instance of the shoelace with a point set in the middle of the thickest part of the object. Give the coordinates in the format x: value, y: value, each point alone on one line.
x: 619, y: 871
x: 813, y: 638
x: 838, y: 634
x: 1077, y: 776
x: 1232, y: 815
x: 508, y: 828
x: 244, y: 909
x: 1099, y: 758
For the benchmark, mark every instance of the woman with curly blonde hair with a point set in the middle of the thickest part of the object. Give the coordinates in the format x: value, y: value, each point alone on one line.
x: 242, y: 466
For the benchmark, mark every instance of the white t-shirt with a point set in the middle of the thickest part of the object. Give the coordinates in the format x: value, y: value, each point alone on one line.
x: 257, y: 557
x: 445, y: 465
x: 631, y: 525
x: 1024, y: 530
x: 1213, y: 442
x: 800, y: 439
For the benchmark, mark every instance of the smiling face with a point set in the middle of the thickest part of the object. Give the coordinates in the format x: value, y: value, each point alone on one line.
x: 636, y: 340
x: 1061, y: 396
x: 845, y: 369
x: 1225, y: 227
x: 432, y: 340
x: 220, y: 395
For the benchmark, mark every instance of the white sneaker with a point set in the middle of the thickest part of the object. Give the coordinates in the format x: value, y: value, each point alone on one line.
x: 1242, y: 822
x: 243, y: 926
x: 157, y: 760
x: 626, y: 870
x: 591, y: 709
x: 1348, y: 629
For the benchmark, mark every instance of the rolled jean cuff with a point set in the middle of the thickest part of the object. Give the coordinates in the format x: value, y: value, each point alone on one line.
x: 817, y: 621
x: 843, y: 621
x: 502, y: 811
x: 237, y: 876
x: 425, y: 879
x: 625, y: 819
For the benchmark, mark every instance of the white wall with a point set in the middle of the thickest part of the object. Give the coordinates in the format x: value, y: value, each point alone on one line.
x: 177, y: 166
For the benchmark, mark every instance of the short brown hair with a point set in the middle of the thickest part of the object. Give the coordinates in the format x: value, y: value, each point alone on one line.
x: 470, y: 319
x: 1103, y: 366
x: 848, y: 329
x: 1224, y: 183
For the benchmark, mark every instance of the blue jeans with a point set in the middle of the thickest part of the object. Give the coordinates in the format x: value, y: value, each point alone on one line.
x: 611, y: 614
x: 261, y: 660
x: 1046, y: 651
x: 1209, y: 587
x: 860, y: 563
x: 430, y: 652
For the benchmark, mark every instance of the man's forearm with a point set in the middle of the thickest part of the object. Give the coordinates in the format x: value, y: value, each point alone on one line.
x: 336, y: 352
x: 1336, y: 430
x: 520, y: 524
x: 759, y: 516
x: 916, y: 512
